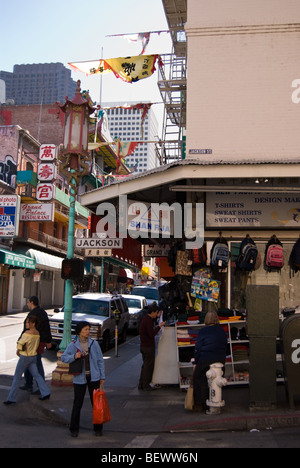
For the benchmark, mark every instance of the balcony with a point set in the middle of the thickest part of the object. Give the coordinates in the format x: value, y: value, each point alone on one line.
x: 40, y: 239
x: 62, y: 205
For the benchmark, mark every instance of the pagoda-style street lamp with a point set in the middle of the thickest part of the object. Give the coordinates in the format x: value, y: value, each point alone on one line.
x: 75, y: 163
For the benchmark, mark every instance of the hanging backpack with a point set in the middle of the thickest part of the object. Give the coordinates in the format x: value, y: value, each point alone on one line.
x: 294, y: 260
x: 172, y: 255
x: 274, y: 255
x: 248, y: 255
x: 219, y: 253
x: 198, y: 257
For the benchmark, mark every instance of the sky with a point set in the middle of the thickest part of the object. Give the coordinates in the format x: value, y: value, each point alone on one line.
x: 75, y: 30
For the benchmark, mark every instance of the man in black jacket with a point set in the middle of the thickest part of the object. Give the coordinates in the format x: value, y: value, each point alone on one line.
x: 45, y: 338
x: 148, y: 331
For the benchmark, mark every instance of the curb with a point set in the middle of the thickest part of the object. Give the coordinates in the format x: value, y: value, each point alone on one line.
x: 46, y: 413
x: 240, y: 423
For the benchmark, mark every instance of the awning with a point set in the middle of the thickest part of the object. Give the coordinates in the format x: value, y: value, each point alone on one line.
x: 43, y: 259
x: 16, y: 260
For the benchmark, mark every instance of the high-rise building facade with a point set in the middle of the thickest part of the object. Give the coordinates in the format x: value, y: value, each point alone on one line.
x: 38, y: 83
x: 128, y: 124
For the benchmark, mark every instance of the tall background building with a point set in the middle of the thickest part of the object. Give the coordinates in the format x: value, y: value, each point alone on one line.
x: 127, y: 124
x: 38, y: 83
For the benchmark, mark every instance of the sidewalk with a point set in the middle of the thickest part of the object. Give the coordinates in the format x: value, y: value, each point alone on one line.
x: 163, y: 410
x: 18, y: 317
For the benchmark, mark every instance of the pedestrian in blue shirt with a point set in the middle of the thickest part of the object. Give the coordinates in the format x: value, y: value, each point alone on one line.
x: 211, y: 347
x: 92, y: 375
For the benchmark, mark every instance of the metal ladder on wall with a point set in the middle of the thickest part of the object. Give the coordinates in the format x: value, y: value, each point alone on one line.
x: 172, y: 86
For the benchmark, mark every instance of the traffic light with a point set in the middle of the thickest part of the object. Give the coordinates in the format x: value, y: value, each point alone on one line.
x: 73, y: 269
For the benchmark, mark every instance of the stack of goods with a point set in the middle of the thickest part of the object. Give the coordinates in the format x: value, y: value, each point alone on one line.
x: 228, y: 315
x: 192, y: 317
x: 240, y: 353
x: 193, y: 336
x: 193, y: 320
x: 183, y: 337
x: 186, y: 337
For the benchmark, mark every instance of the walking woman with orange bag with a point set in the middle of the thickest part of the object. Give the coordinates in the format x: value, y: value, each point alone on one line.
x: 92, y: 375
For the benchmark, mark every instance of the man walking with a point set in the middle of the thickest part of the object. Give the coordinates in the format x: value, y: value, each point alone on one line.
x: 45, y: 338
x: 147, y: 338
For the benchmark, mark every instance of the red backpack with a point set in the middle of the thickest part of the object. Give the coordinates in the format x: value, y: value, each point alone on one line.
x: 274, y: 255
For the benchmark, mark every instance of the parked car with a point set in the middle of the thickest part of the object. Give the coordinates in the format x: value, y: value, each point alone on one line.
x: 149, y: 292
x: 137, y: 308
x: 97, y: 309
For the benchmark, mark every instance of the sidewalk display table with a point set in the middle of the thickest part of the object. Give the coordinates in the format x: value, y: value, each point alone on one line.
x: 166, y: 366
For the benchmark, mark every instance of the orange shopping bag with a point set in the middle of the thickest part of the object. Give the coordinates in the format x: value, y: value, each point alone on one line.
x: 101, y: 412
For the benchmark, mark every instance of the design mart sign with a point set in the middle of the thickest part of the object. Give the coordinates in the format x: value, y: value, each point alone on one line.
x: 247, y: 209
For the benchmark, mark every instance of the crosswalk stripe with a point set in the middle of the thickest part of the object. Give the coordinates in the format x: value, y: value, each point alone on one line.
x: 142, y: 442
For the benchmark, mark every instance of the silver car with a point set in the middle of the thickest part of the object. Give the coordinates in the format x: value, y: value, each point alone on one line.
x: 98, y: 310
x: 136, y: 306
x: 149, y: 292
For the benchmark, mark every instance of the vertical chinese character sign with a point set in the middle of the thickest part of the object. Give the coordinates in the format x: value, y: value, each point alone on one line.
x: 46, y: 173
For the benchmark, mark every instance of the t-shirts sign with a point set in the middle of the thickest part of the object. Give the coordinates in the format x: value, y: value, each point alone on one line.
x: 249, y: 209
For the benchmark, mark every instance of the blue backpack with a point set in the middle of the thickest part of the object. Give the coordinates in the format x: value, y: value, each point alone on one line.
x: 248, y: 255
x: 219, y: 254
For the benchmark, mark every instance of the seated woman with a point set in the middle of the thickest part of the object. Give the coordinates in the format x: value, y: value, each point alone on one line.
x: 211, y: 346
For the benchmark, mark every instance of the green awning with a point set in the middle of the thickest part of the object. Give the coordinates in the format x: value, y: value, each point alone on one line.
x: 16, y: 260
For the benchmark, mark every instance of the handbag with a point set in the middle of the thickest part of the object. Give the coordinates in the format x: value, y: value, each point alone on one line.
x: 189, y: 399
x: 76, y: 367
x: 101, y: 412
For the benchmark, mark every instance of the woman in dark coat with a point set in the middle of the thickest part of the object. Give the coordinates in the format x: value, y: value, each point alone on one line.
x: 211, y: 347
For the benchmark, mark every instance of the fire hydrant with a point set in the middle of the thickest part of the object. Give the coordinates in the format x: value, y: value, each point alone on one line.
x: 215, y: 382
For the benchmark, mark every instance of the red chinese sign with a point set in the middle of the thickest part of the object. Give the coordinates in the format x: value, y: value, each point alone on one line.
x: 46, y: 172
x: 47, y: 152
x: 44, y: 191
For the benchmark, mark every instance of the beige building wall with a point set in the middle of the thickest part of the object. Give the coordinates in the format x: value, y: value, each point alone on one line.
x: 243, y: 59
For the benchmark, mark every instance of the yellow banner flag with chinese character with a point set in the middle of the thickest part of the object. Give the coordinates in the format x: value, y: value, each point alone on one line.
x: 129, y: 69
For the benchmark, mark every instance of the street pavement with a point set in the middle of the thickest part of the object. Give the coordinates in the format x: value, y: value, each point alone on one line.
x: 139, y: 419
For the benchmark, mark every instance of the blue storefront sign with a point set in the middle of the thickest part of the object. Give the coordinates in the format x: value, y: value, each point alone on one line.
x: 9, y: 215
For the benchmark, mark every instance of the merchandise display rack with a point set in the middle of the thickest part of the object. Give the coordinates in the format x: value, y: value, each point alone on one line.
x: 237, y: 361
